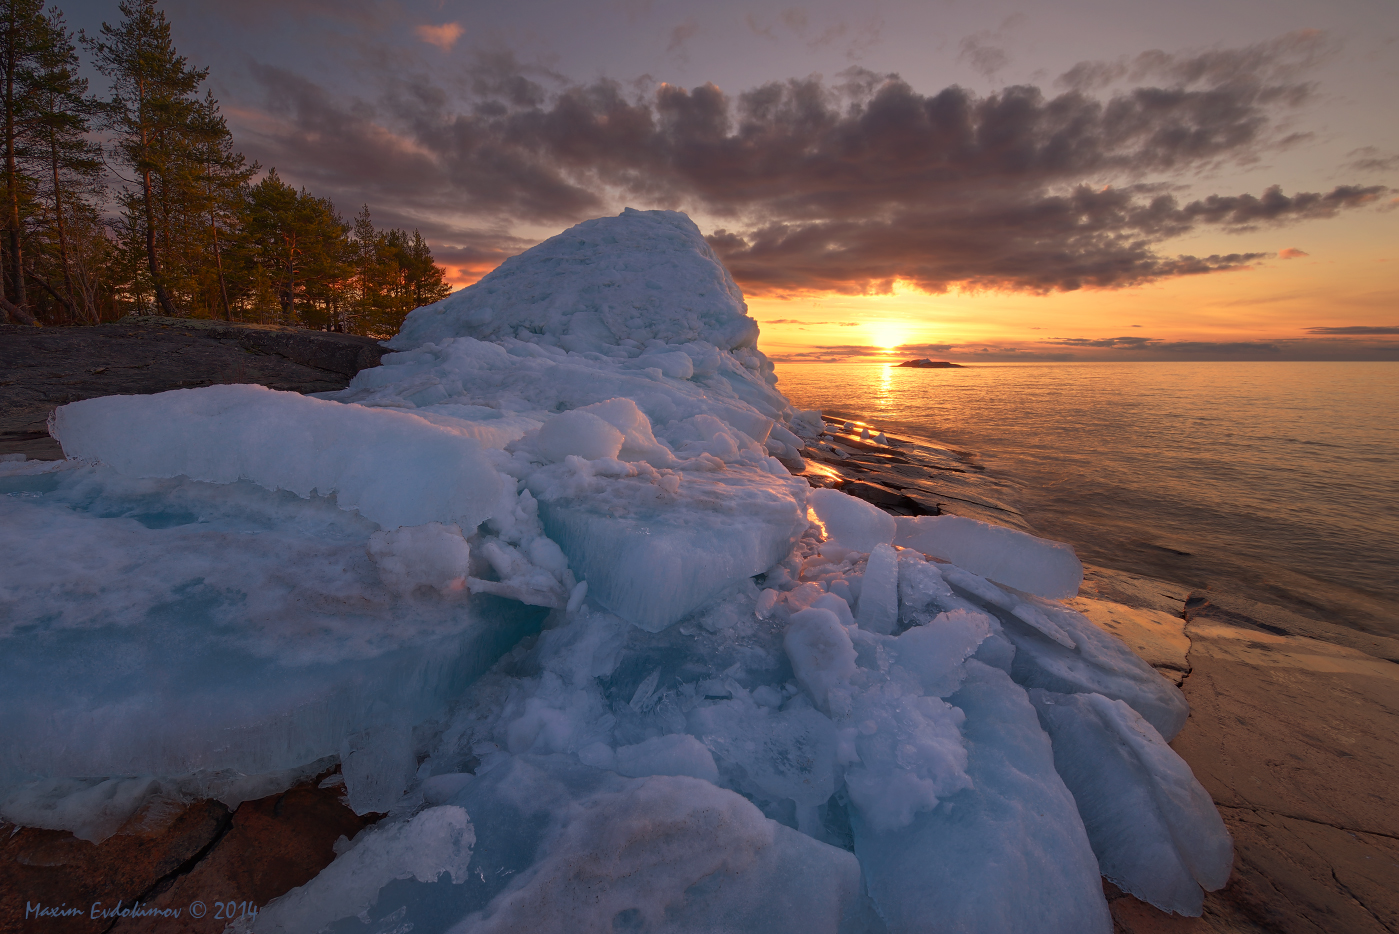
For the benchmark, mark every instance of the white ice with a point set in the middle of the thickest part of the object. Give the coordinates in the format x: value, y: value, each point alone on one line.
x: 544, y: 583
x: 1050, y: 569
x: 1153, y: 827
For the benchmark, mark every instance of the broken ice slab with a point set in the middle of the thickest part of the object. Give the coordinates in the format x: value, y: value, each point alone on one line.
x: 160, y: 627
x: 651, y: 555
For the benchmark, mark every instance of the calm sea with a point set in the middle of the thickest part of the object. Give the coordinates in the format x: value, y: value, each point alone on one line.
x: 1282, y: 478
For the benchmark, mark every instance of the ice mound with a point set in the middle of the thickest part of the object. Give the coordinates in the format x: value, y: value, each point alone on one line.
x: 647, y: 275
x: 546, y: 587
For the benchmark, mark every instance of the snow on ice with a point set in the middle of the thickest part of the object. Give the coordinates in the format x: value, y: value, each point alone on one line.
x: 545, y: 586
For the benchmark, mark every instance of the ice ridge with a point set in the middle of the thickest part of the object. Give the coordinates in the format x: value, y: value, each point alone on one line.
x: 545, y: 584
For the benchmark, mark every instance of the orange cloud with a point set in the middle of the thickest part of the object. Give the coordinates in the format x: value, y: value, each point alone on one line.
x: 1292, y: 253
x: 444, y: 36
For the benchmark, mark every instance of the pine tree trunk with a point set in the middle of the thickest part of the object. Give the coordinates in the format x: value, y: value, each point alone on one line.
x: 218, y: 264
x: 218, y: 257
x: 71, y: 301
x: 11, y: 172
x: 161, y: 296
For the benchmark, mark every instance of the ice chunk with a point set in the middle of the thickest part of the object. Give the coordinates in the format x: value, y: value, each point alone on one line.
x: 1100, y: 663
x: 1050, y: 569
x: 653, y: 556
x: 822, y: 658
x: 852, y: 522
x: 578, y: 432
x: 676, y: 364
x: 377, y: 764
x: 394, y: 468
x: 436, y: 842
x: 92, y: 809
x: 430, y: 555
x: 935, y: 651
x: 675, y: 754
x: 1008, y: 853
x: 564, y: 847
x: 138, y: 613
x: 911, y: 755
x: 776, y: 756
x: 677, y: 854
x: 638, y: 441
x: 879, y: 591
x: 439, y: 789
x: 1155, y: 831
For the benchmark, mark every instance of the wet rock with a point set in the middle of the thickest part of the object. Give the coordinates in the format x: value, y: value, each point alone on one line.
x: 883, y: 497
x: 1229, y: 608
x: 1157, y: 637
x: 1297, y: 741
x: 1134, y: 590
x: 55, y: 870
x: 272, y: 845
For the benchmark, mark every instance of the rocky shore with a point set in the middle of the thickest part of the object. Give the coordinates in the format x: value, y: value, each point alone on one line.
x: 1294, y: 726
x: 41, y: 368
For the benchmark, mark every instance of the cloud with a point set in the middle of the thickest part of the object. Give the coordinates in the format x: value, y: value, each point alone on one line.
x: 1292, y: 253
x: 1277, y: 64
x: 849, y: 185
x: 1192, y: 348
x: 679, y: 36
x: 985, y: 58
x: 1132, y: 343
x: 982, y: 51
x: 1355, y: 329
x: 839, y: 324
x: 444, y: 36
x: 1370, y: 159
x: 1156, y: 345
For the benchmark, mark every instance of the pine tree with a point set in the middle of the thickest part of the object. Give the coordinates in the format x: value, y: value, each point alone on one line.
x: 302, y: 246
x: 153, y: 111
x: 220, y: 176
x: 22, y: 41
x: 71, y: 164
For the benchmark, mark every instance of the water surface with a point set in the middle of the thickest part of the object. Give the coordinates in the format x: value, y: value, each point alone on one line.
x: 1283, y: 477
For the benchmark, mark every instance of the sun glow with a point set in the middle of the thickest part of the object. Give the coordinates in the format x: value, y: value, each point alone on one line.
x: 887, y: 335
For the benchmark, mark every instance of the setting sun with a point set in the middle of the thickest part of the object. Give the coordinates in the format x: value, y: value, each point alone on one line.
x: 887, y: 334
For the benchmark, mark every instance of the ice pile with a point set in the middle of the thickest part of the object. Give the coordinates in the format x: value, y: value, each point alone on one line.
x: 751, y: 706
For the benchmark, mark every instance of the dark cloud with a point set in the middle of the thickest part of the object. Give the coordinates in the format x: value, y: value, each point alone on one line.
x: 1229, y: 348
x: 1134, y: 343
x: 1279, y: 64
x: 1174, y: 348
x: 839, y: 324
x: 1354, y: 329
x: 849, y: 185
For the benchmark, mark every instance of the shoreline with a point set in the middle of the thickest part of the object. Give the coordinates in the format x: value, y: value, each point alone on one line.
x: 1332, y: 610
x: 1291, y: 729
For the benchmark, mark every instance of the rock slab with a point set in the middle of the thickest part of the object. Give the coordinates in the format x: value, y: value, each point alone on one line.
x: 42, y: 368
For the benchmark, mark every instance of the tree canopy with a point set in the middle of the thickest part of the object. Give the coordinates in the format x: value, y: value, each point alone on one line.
x: 140, y: 202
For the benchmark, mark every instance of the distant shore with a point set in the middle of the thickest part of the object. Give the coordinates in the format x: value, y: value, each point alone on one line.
x: 926, y: 364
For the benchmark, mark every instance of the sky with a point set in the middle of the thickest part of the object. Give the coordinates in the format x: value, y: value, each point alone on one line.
x: 989, y: 180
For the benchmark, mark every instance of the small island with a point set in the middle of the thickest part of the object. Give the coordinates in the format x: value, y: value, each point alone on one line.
x: 926, y: 364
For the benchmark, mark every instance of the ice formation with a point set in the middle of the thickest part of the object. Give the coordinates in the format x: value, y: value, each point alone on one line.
x: 545, y: 585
